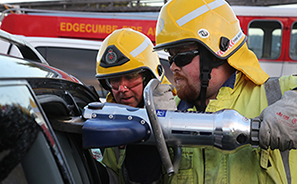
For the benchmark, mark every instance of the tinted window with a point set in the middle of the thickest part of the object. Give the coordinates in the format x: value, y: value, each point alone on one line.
x: 293, y: 42
x: 80, y: 63
x: 264, y: 38
x: 22, y: 143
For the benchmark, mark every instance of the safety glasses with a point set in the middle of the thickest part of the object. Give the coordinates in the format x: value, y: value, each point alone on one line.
x: 183, y: 58
x: 131, y: 80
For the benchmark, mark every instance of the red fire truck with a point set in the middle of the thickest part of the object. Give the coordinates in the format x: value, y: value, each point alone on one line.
x: 272, y: 31
x: 95, y: 26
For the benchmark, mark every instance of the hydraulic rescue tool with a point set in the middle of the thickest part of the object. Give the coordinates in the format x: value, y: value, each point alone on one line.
x: 110, y: 124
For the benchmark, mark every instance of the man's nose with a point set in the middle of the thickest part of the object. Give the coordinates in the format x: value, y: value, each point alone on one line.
x: 123, y: 85
x: 123, y: 88
x: 173, y: 67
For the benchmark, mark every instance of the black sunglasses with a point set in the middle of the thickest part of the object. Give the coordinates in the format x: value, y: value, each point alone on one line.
x: 183, y: 58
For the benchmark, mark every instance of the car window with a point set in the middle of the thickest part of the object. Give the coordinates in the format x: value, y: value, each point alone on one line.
x: 80, y: 63
x: 293, y: 42
x: 7, y: 48
x: 264, y: 38
x: 24, y: 148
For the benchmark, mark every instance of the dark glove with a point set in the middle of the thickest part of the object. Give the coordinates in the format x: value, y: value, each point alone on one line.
x: 278, y: 127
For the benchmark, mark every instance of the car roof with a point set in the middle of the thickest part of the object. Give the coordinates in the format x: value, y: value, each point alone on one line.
x: 62, y: 42
x: 27, y: 50
x: 13, y: 67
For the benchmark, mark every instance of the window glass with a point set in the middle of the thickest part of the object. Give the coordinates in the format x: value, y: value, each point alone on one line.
x: 255, y: 41
x: 264, y: 38
x: 4, y: 46
x: 7, y: 48
x: 80, y: 63
x: 293, y: 42
x: 276, y: 43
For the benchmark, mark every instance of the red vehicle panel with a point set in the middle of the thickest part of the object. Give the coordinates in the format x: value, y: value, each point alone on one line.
x: 72, y: 27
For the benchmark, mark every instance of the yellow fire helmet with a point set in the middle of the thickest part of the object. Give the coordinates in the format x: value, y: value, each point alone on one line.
x: 125, y: 51
x: 213, y: 24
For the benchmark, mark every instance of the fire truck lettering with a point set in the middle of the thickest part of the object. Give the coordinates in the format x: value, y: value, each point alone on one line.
x: 151, y: 31
x: 108, y: 29
x: 68, y: 27
x: 62, y: 26
x: 94, y: 28
x: 138, y: 28
x: 75, y: 27
x: 88, y: 28
x: 101, y: 29
x: 114, y: 27
x: 82, y: 28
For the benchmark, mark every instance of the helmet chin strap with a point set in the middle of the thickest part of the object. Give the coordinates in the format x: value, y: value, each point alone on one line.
x: 205, y: 70
x: 207, y: 63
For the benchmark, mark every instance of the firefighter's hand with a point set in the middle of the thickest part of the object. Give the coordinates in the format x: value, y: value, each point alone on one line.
x: 163, y: 97
x: 278, y: 128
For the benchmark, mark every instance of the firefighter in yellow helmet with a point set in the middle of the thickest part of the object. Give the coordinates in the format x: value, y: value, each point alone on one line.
x: 213, y: 69
x: 125, y: 64
x: 127, y: 55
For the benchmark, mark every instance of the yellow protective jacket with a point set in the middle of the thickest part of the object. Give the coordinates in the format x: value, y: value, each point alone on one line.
x: 246, y: 165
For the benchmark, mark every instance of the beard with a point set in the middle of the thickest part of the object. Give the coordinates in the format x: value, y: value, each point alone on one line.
x: 185, y: 90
